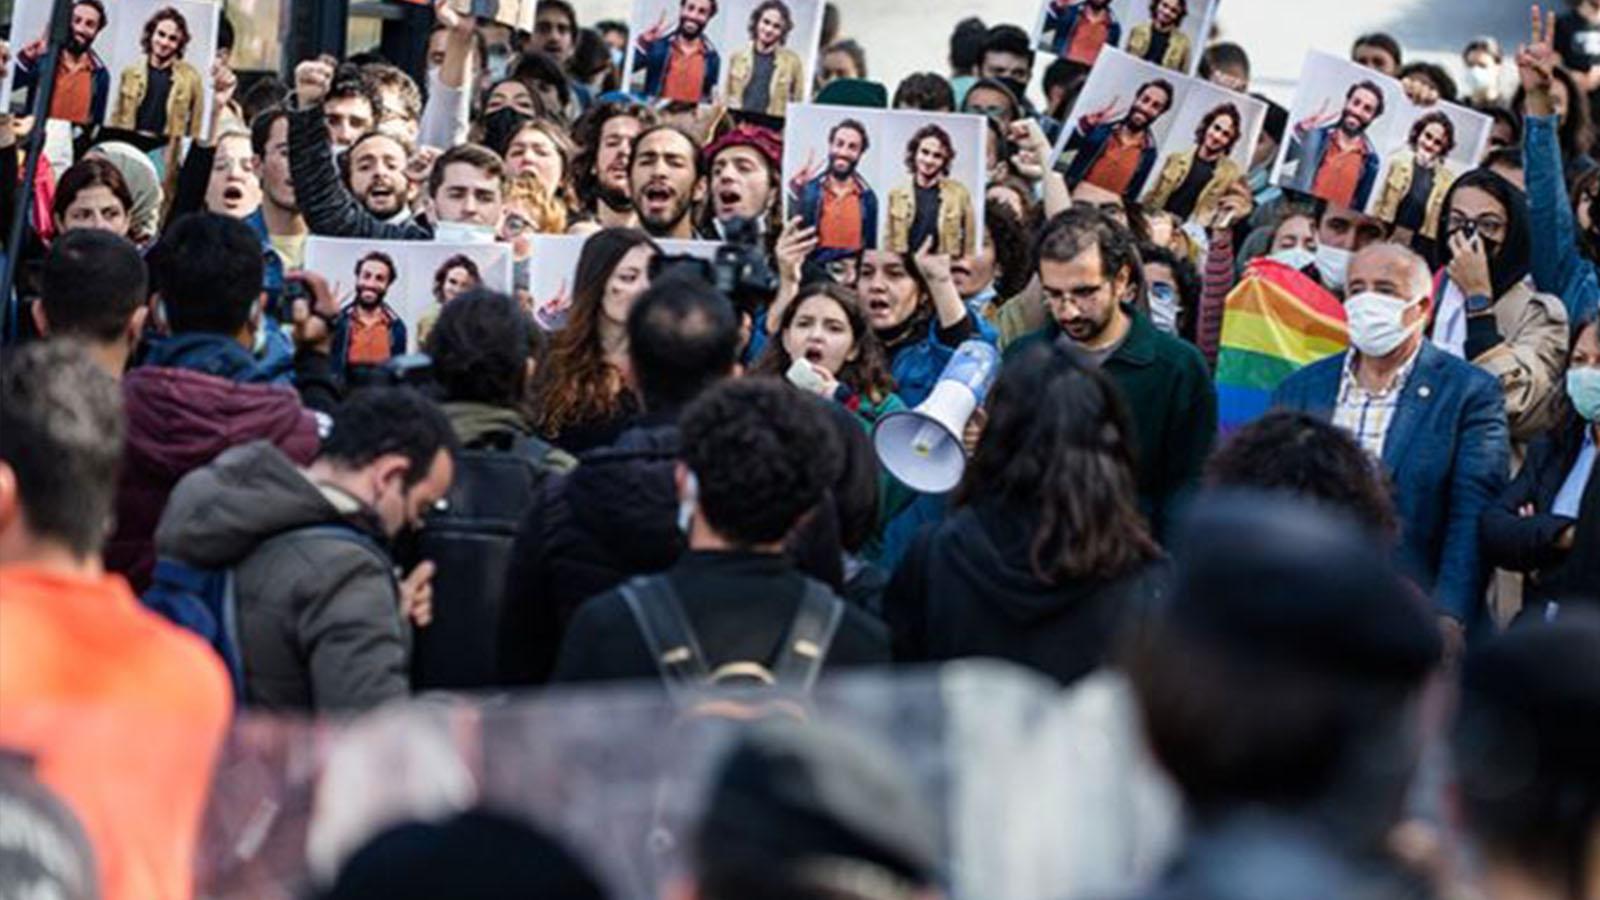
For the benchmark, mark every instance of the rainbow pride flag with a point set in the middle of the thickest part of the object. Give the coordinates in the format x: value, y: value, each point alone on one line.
x: 1276, y: 321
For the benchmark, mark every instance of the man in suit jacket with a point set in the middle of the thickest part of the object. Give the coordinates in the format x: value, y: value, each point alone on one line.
x: 1437, y: 423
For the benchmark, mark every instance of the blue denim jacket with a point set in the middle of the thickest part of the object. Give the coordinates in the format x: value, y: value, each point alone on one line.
x: 1558, y: 267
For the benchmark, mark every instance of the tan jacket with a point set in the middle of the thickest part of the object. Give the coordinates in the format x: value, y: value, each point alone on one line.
x: 788, y: 77
x: 1530, y: 359
x: 1176, y: 168
x: 1397, y: 184
x: 958, y: 225
x: 183, y: 101
x: 1177, y: 55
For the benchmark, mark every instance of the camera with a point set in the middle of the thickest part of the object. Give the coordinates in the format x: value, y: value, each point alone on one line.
x: 739, y: 269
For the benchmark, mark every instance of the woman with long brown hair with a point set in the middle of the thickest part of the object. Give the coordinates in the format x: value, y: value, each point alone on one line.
x: 584, y: 401
x: 826, y: 327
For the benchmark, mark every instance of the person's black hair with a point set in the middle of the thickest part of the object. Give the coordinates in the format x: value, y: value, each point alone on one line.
x: 1383, y: 41
x: 1007, y: 38
x: 590, y: 55
x: 224, y: 32
x: 561, y: 6
x: 61, y: 429
x: 926, y: 91
x: 1525, y: 744
x: 994, y: 84
x: 542, y: 68
x: 1577, y: 130
x: 380, y: 421
x: 586, y: 135
x: 348, y: 82
x: 763, y: 456
x: 855, y: 490
x: 1295, y: 453
x: 1186, y: 277
x: 1434, y: 75
x: 1058, y: 449
x: 208, y: 269
x: 480, y: 348
x: 261, y: 128
x: 1276, y: 121
x: 683, y: 336
x: 1506, y: 117
x: 262, y: 95
x: 1070, y: 77
x: 1485, y: 43
x: 966, y: 45
x: 1223, y: 55
x: 1075, y: 230
x: 1013, y: 251
x: 1503, y: 158
x: 93, y: 283
x: 1508, y: 267
x: 611, y: 25
x: 830, y: 24
x: 852, y: 49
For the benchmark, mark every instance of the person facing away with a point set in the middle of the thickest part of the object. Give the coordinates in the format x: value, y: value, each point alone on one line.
x: 1045, y: 552
x: 199, y: 390
x: 95, y: 288
x: 118, y: 712
x: 615, y: 516
x: 754, y: 462
x: 322, y: 624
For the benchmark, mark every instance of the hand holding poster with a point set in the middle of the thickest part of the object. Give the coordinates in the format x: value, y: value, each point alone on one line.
x: 1165, y: 33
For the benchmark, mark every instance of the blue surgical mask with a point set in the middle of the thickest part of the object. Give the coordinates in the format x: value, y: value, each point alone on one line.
x: 1583, y: 388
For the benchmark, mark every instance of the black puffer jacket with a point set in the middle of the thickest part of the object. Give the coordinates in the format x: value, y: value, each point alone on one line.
x: 966, y: 588
x: 613, y: 517
x: 327, y: 204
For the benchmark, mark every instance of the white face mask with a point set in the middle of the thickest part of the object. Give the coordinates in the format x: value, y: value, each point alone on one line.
x: 1164, y: 308
x: 1377, y: 322
x: 464, y: 233
x: 1480, y: 79
x: 1296, y: 257
x: 1332, y: 264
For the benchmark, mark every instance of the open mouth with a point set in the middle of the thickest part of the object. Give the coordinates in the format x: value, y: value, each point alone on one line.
x: 813, y: 354
x: 729, y: 198
x: 232, y: 194
x: 658, y: 196
x: 877, y: 307
x: 960, y: 270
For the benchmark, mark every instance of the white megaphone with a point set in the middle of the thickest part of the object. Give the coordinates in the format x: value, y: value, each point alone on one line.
x: 923, y: 447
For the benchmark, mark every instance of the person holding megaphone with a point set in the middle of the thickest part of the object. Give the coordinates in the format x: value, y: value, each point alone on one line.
x: 1044, y: 552
x: 824, y: 345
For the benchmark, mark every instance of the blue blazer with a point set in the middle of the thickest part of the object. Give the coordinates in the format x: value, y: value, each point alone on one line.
x: 655, y: 64
x: 27, y: 76
x: 339, y: 354
x: 1448, y: 452
x: 1310, y: 147
x: 808, y: 203
x: 1064, y: 23
x: 1092, y: 143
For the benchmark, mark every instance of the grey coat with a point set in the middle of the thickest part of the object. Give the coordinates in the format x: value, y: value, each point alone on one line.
x: 320, y: 628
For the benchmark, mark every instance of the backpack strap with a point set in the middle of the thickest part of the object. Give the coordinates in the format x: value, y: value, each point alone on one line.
x: 667, y: 633
x: 816, y: 622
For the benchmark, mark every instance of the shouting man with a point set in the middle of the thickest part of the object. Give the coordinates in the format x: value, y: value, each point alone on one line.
x: 1118, y: 155
x: 1337, y: 160
x: 934, y: 205
x: 161, y: 93
x: 839, y: 203
x: 82, y: 80
x: 680, y: 64
x: 666, y: 174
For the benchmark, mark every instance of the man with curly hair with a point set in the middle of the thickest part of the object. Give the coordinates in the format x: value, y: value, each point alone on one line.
x: 1193, y: 180
x: 161, y: 93
x: 766, y: 76
x: 933, y: 205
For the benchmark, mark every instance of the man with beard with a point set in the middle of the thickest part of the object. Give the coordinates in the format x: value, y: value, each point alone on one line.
x: 1081, y: 28
x: 933, y: 206
x: 839, y: 203
x: 1417, y: 180
x: 1191, y: 182
x: 1119, y: 155
x: 605, y: 136
x: 377, y: 176
x: 666, y: 174
x: 680, y: 64
x: 1086, y: 264
x: 1161, y: 40
x: 766, y: 76
x: 161, y: 94
x: 744, y: 166
x: 368, y: 331
x: 1337, y: 160
x: 82, y: 80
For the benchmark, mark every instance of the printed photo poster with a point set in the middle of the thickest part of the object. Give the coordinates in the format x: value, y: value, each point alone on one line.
x: 553, y: 272
x: 1208, y: 148
x: 1167, y: 33
x: 1344, y: 122
x: 1439, y: 144
x: 515, y: 13
x: 885, y: 178
x: 1114, y: 136
x: 410, y: 279
x: 136, y: 49
x: 755, y: 56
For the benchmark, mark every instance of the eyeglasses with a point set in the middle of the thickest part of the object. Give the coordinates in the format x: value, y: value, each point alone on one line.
x: 516, y: 225
x: 1490, y: 226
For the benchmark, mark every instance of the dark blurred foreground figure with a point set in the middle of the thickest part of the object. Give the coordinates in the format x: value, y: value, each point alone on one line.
x: 798, y: 812
x: 1527, y: 751
x: 473, y: 856
x: 1280, y: 689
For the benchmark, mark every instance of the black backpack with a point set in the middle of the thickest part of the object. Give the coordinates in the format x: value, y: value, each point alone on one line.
x: 470, y: 540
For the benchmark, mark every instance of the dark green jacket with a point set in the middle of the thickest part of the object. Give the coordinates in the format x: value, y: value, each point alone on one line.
x: 1174, y: 408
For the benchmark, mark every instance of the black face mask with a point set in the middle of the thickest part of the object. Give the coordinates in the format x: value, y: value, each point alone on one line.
x: 500, y: 126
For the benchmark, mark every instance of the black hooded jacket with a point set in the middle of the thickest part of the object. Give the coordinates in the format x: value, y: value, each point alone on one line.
x: 966, y: 588
x: 613, y: 517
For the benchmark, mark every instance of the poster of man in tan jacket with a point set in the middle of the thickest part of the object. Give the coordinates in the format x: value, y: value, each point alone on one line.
x: 160, y: 92
x: 933, y: 204
x: 765, y: 76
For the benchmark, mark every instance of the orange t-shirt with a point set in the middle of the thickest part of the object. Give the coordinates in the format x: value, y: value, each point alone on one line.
x: 839, y: 218
x: 122, y: 715
x: 1340, y: 173
x: 369, y: 339
x: 1118, y: 162
x: 1088, y: 38
x: 686, y: 72
x: 74, y: 91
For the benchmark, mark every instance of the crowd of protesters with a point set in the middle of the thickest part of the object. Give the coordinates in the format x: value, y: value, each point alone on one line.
x: 648, y: 493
